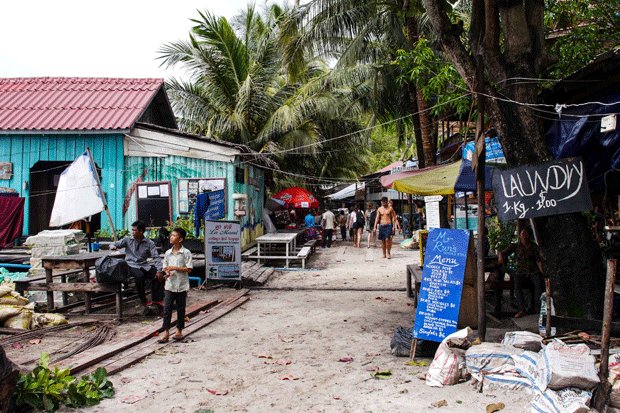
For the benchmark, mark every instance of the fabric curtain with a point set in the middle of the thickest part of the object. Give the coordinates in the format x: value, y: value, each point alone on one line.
x: 11, y: 220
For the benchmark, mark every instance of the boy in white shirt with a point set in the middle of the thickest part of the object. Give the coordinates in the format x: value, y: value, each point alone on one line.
x: 177, y: 266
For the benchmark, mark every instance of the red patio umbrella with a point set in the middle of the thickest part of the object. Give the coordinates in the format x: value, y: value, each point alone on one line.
x: 296, y: 197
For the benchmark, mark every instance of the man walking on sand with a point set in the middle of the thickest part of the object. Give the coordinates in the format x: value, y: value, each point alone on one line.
x: 386, y: 217
x: 329, y: 223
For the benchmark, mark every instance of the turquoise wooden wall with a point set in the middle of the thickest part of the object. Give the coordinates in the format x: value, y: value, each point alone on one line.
x: 27, y: 149
x: 118, y: 173
x: 172, y: 168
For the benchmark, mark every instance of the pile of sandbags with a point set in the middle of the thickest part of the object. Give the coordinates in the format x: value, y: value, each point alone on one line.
x: 52, y: 242
x: 448, y: 365
x: 17, y: 312
x: 560, y: 377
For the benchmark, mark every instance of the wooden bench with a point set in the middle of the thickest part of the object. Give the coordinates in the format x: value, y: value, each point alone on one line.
x: 312, y: 244
x: 249, y: 252
x: 414, y: 272
x: 303, y: 254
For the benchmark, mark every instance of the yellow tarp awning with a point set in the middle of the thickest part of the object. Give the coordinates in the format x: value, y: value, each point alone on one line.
x: 436, y: 181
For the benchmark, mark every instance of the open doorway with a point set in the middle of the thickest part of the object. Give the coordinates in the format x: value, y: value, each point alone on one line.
x: 44, y: 176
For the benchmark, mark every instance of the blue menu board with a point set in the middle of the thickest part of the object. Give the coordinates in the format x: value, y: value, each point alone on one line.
x: 437, y: 314
x: 217, y: 205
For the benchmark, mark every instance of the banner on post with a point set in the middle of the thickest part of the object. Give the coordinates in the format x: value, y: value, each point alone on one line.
x: 223, y: 250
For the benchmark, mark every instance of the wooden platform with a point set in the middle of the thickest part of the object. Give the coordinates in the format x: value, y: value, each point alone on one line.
x: 254, y: 274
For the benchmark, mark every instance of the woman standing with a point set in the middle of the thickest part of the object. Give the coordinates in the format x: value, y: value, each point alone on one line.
x: 371, y: 215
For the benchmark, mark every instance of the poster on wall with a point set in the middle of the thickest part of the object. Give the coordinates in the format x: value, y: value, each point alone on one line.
x: 223, y: 250
x: 189, y: 188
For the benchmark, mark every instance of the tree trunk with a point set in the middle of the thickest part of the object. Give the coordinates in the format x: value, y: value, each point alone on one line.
x: 571, y: 257
x: 426, y: 143
x: 415, y: 119
x: 429, y: 142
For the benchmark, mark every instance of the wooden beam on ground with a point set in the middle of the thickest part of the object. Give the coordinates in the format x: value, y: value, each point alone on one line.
x: 133, y: 355
x: 104, y: 351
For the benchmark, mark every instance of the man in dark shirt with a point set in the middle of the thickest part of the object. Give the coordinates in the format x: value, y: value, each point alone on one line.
x: 137, y: 250
x: 529, y: 265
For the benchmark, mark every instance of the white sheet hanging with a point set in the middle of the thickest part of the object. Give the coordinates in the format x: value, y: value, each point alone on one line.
x: 78, y: 195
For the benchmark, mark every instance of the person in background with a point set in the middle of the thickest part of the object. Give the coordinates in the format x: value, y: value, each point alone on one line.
x: 309, y: 220
x: 397, y: 227
x: 329, y: 223
x: 137, y: 249
x: 371, y: 216
x: 529, y: 265
x: 343, y: 225
x: 386, y: 218
x: 360, y: 221
x: 351, y: 224
x: 177, y: 266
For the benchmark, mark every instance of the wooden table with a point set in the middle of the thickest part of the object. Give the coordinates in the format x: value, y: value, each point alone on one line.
x: 288, y: 239
x: 79, y: 261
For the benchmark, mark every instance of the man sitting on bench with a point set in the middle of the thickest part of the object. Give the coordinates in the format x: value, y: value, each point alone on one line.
x: 137, y: 250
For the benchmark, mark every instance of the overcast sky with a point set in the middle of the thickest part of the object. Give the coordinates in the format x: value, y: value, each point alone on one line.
x: 112, y: 38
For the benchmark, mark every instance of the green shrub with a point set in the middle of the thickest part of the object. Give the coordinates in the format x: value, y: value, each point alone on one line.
x: 47, y: 389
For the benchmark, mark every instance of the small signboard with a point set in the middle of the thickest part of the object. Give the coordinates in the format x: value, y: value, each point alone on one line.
x: 552, y: 188
x: 217, y: 205
x: 445, y: 260
x: 189, y: 188
x: 432, y: 211
x: 223, y: 250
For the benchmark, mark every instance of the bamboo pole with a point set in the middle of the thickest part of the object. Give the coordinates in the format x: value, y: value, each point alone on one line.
x: 481, y: 158
x: 602, y: 393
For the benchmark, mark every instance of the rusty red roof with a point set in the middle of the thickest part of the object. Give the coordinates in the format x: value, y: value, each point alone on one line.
x: 74, y: 104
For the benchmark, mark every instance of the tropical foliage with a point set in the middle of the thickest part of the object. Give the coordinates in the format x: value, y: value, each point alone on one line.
x: 250, y: 85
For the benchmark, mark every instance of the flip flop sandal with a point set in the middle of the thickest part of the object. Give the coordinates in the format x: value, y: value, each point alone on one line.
x: 163, y: 340
x: 177, y: 338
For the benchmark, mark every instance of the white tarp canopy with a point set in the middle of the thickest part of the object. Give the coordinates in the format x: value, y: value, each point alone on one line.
x: 78, y: 195
x: 347, y: 192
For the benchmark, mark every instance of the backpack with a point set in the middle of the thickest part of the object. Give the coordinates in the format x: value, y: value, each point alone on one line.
x: 359, y: 219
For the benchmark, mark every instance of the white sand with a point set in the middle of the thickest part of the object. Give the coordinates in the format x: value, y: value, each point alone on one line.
x: 311, y: 329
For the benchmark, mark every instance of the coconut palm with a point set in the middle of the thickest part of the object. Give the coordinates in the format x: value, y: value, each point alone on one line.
x: 369, y: 33
x: 248, y: 86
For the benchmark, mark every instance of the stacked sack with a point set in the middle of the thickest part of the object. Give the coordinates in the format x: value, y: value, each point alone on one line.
x: 17, y: 312
x: 52, y: 242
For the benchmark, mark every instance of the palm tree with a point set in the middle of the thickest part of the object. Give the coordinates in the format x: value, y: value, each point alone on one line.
x: 369, y: 33
x: 248, y: 86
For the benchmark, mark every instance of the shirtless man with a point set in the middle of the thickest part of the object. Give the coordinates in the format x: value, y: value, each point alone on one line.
x: 386, y: 217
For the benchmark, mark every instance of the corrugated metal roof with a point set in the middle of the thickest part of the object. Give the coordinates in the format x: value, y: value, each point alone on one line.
x: 73, y: 104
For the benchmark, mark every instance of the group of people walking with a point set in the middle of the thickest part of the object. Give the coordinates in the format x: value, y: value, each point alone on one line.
x: 378, y: 223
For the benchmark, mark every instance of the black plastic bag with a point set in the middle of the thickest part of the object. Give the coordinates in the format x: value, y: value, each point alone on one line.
x: 401, y: 344
x: 111, y: 270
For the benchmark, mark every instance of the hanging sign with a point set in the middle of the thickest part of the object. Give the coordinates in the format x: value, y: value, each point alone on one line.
x: 552, y: 188
x: 217, y: 205
x: 432, y: 211
x: 445, y: 259
x: 223, y: 250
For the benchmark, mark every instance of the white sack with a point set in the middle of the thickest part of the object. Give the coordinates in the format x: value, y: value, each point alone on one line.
x: 448, y: 366
x: 523, y: 339
x: 567, y: 366
x: 489, y: 358
x: 78, y: 195
x: 568, y: 400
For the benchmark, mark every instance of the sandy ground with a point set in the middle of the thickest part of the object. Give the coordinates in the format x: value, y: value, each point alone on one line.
x: 280, y: 351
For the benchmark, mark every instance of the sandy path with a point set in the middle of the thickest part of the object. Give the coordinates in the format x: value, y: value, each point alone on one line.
x: 311, y: 329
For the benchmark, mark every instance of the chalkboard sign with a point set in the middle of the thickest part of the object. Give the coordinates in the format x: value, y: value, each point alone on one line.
x: 217, y: 205
x: 529, y: 191
x: 445, y: 260
x: 154, y: 203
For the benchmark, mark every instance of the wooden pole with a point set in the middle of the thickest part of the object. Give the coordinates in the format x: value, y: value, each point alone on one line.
x: 548, y: 298
x: 481, y: 157
x: 105, y: 203
x: 602, y: 394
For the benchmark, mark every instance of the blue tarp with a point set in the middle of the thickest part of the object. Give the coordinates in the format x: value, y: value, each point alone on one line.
x: 466, y: 181
x: 572, y: 135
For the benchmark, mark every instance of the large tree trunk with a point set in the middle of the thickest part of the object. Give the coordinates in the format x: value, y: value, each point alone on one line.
x: 571, y: 257
x: 415, y: 119
x: 426, y: 142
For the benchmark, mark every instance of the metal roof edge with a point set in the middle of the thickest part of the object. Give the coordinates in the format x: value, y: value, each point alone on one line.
x: 64, y: 132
